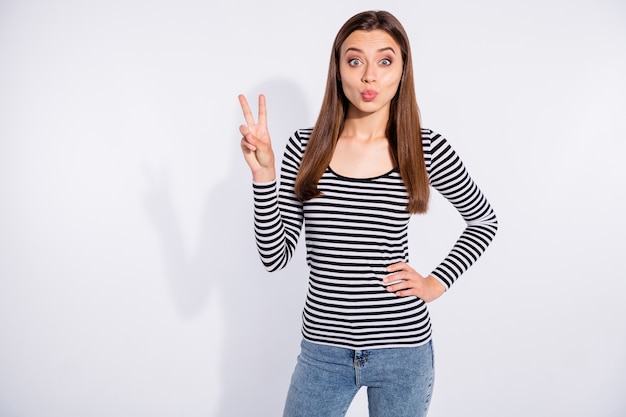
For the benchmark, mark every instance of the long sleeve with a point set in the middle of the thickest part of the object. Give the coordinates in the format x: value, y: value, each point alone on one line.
x: 278, y: 215
x: 450, y: 178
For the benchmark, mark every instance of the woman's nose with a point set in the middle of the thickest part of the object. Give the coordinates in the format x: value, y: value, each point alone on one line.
x: 369, y: 75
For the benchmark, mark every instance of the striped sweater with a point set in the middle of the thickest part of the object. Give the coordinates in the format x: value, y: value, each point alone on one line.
x: 353, y: 231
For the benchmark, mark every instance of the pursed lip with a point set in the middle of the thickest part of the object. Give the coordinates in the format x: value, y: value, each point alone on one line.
x: 369, y: 95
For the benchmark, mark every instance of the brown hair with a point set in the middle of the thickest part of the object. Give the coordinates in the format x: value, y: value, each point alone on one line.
x: 403, y: 128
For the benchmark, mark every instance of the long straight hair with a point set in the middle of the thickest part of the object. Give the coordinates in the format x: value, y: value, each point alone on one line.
x: 403, y: 127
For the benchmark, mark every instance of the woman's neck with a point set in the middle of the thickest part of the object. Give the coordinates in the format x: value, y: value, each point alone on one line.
x: 366, y: 126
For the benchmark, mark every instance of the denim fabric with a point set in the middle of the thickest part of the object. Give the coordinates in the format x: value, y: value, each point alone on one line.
x: 399, y: 381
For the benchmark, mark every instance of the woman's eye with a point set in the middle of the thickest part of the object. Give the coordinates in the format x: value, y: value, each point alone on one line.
x: 354, y: 62
x: 385, y: 61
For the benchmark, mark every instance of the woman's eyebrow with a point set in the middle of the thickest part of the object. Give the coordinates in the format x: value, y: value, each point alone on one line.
x: 386, y: 48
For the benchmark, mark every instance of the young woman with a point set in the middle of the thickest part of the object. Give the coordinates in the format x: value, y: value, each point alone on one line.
x: 354, y: 180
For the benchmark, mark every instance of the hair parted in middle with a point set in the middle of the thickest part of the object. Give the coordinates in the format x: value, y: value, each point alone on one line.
x: 403, y: 128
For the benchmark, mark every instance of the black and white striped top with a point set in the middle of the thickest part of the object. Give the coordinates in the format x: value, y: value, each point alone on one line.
x: 353, y: 231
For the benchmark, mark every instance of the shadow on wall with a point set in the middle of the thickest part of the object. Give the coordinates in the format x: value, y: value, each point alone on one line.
x: 261, y: 312
x: 7, y: 411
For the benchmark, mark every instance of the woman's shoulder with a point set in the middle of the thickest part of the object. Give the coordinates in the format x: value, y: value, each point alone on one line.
x: 429, y: 135
x: 431, y: 140
x: 297, y: 143
x: 300, y: 138
x: 305, y: 131
x: 303, y: 134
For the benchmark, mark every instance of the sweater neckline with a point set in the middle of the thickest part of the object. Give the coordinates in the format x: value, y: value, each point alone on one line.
x: 383, y: 175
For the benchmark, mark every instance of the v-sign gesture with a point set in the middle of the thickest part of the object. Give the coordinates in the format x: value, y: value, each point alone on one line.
x: 255, y: 143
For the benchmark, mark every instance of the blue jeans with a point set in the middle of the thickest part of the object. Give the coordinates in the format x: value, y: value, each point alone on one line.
x: 399, y: 381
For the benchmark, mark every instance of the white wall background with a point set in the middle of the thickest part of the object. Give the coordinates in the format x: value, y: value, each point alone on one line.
x: 129, y: 281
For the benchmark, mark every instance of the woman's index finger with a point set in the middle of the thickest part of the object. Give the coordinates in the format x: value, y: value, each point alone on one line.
x: 247, y: 113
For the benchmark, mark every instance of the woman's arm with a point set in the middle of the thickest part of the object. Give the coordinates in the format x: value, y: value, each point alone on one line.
x: 278, y: 214
x: 450, y: 178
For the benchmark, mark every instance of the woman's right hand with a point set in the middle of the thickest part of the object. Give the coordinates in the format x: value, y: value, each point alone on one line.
x: 255, y: 142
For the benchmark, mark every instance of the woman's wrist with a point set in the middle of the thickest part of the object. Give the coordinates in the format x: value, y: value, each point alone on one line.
x: 264, y: 176
x: 435, y: 288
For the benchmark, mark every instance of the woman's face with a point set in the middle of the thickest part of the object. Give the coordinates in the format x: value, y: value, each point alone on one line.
x: 370, y: 67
